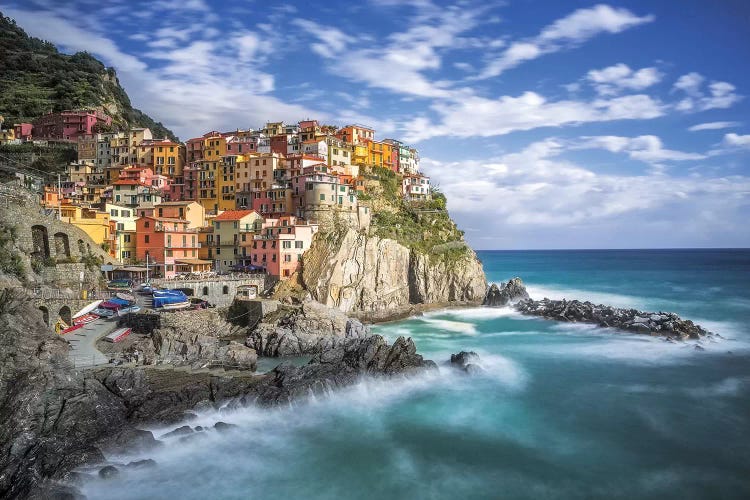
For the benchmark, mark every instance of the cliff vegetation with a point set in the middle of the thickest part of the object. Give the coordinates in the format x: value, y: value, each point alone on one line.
x: 37, y: 79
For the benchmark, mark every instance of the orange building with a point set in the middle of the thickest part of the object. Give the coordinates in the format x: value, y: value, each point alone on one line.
x: 165, y: 242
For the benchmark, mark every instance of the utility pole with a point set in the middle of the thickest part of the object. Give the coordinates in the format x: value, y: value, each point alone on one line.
x: 59, y: 198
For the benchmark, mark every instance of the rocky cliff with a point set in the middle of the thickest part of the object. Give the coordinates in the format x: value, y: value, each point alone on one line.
x: 55, y: 417
x: 378, y: 278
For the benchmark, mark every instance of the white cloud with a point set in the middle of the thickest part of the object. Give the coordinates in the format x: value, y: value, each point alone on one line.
x: 576, y: 28
x: 399, y: 63
x: 721, y: 95
x: 615, y: 79
x: 646, y: 148
x: 479, y: 116
x: 713, y: 126
x: 205, y: 84
x: 734, y: 140
x: 534, y: 196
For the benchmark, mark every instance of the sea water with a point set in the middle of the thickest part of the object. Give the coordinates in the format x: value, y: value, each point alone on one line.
x: 560, y: 411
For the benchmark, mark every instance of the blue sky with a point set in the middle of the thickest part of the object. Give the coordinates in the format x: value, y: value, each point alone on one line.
x: 548, y: 124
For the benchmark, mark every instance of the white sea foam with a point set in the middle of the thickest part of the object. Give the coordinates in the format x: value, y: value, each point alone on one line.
x: 482, y: 313
x: 461, y: 327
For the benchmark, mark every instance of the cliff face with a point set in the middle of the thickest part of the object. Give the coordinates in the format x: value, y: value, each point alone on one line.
x: 378, y: 278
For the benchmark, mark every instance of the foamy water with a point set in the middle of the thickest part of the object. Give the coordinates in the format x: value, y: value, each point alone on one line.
x: 559, y: 410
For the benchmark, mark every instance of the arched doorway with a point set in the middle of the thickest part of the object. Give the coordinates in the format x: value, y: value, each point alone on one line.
x: 45, y: 314
x: 62, y: 245
x: 65, y: 315
x: 40, y: 240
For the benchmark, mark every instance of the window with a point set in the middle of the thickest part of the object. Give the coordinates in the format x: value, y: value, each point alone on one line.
x: 120, y: 226
x: 287, y: 258
x: 147, y: 223
x: 126, y: 238
x: 298, y: 244
x: 205, y: 290
x: 225, y: 290
x: 145, y: 239
x: 322, y: 197
x: 286, y: 244
x: 126, y: 254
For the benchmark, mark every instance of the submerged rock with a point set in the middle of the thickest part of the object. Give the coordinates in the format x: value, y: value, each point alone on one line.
x: 180, y: 431
x: 142, y: 464
x: 512, y: 291
x: 108, y: 472
x: 223, y: 426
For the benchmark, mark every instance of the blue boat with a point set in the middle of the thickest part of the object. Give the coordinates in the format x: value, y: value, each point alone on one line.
x: 172, y: 300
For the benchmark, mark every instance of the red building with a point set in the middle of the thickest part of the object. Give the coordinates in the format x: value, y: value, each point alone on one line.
x: 23, y: 131
x: 69, y: 125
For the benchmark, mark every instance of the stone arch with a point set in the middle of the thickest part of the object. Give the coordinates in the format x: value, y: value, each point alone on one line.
x: 81, y: 247
x: 45, y: 314
x: 225, y: 290
x: 66, y: 315
x: 205, y: 290
x: 40, y: 240
x: 62, y: 245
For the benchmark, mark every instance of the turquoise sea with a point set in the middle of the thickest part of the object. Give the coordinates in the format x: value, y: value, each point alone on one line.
x: 562, y: 410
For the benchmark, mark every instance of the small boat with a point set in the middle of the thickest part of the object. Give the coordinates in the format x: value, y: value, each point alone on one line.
x: 120, y: 285
x: 125, y: 296
x: 129, y: 310
x: 118, y: 335
x: 88, y: 308
x: 168, y: 293
x: 145, y: 289
x: 103, y: 312
x: 175, y: 306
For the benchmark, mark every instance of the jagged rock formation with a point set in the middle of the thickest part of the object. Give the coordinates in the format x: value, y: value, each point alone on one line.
x: 511, y: 291
x: 308, y: 328
x: 378, y: 278
x: 56, y: 418
x: 662, y: 324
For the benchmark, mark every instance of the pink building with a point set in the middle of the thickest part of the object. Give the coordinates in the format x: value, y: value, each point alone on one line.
x: 69, y: 125
x: 280, y: 245
x: 23, y: 131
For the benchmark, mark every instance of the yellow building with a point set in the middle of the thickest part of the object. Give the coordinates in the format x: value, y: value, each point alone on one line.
x: 375, y: 154
x: 123, y: 224
x: 94, y: 223
x: 164, y: 157
x: 231, y: 229
x: 188, y: 210
x: 225, y: 182
x: 360, y: 154
x: 7, y: 135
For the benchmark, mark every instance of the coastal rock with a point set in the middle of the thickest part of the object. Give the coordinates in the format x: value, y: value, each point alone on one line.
x: 466, y: 361
x: 662, y: 324
x: 196, y: 339
x: 512, y: 291
x: 223, y: 426
x: 142, y: 464
x: 309, y: 328
x: 108, y: 472
x: 180, y: 431
x: 377, y: 279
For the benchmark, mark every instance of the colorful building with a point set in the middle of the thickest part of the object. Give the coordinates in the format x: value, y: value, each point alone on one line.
x: 93, y: 222
x: 163, y: 241
x: 70, y: 125
x: 191, y: 211
x: 280, y: 245
x: 231, y: 230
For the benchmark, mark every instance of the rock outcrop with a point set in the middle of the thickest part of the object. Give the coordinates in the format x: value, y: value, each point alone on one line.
x: 662, y: 323
x: 308, y: 328
x: 56, y: 418
x: 467, y: 361
x: 512, y: 291
x: 192, y: 338
x: 376, y: 278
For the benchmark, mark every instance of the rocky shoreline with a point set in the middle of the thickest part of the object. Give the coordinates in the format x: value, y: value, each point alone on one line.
x: 663, y: 324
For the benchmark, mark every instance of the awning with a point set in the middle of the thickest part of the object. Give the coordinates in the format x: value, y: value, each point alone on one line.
x: 132, y: 269
x: 193, y: 262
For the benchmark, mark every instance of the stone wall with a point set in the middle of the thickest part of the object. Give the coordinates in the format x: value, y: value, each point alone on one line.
x: 218, y: 292
x: 56, y: 246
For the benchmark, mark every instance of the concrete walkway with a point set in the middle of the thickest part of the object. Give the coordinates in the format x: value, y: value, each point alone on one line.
x: 83, y: 342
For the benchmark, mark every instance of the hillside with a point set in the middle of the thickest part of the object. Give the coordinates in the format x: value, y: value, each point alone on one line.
x: 36, y: 79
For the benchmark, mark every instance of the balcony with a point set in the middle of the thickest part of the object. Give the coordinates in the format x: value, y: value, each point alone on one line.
x: 167, y: 229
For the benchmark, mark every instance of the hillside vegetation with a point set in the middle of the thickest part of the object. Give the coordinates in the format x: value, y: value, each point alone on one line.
x: 424, y: 226
x: 35, y: 79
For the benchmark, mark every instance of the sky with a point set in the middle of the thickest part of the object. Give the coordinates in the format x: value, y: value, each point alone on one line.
x: 547, y: 124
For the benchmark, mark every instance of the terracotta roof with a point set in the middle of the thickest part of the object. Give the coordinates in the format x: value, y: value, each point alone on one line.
x: 233, y: 214
x: 130, y: 182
